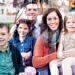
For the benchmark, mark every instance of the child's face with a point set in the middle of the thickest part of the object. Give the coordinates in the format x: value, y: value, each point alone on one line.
x: 23, y: 30
x: 4, y: 36
x: 70, y: 24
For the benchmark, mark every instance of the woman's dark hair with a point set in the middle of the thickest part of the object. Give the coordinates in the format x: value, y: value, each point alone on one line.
x: 22, y: 21
x: 44, y: 19
x: 46, y: 27
x: 4, y: 25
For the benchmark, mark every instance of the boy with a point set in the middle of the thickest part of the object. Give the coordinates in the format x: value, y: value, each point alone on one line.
x: 10, y: 58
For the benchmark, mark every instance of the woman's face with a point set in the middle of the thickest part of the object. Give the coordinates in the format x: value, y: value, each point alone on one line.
x: 53, y: 21
x: 70, y: 24
x: 23, y: 30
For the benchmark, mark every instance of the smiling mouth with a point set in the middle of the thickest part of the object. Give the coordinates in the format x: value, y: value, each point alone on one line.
x: 1, y: 40
x: 72, y: 27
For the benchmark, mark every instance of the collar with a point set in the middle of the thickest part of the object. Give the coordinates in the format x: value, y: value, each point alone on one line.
x: 17, y: 39
x: 7, y: 50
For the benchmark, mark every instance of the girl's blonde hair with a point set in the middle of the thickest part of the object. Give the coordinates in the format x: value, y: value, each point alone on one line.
x: 68, y: 15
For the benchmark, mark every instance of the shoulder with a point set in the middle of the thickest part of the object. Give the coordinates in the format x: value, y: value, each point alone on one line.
x: 12, y: 47
x: 13, y: 39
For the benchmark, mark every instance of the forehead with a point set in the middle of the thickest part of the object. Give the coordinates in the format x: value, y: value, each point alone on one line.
x: 32, y: 6
x: 71, y: 17
x: 3, y: 29
x: 52, y: 14
x: 23, y: 25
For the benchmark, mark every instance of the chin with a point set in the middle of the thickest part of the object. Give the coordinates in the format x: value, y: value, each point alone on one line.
x: 1, y: 44
x: 54, y: 29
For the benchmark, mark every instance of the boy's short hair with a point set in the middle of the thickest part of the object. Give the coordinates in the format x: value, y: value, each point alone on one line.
x: 4, y: 25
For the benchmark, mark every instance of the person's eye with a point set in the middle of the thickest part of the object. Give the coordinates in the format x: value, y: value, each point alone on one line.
x: 3, y: 34
x: 49, y: 19
x: 73, y: 22
x: 29, y: 9
x: 54, y: 18
x: 67, y: 22
x: 20, y: 27
x: 25, y: 28
x: 35, y: 9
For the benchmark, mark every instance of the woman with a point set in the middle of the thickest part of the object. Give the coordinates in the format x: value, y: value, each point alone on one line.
x: 23, y: 41
x: 46, y: 44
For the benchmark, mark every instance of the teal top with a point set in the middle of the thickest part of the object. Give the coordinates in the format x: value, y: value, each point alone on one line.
x: 6, y: 63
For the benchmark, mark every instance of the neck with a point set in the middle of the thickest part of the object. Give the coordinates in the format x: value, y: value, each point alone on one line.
x: 3, y: 48
x: 21, y: 39
x: 32, y: 22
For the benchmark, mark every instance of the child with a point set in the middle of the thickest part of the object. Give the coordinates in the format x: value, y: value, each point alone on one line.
x: 10, y: 58
x: 23, y: 41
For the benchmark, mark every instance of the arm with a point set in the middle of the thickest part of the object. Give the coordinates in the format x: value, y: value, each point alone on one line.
x: 26, y: 55
x: 19, y: 61
x: 29, y: 54
x: 60, y: 47
x: 40, y: 60
x: 66, y: 53
x: 69, y: 53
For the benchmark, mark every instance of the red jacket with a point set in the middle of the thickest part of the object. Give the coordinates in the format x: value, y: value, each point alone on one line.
x: 41, y: 57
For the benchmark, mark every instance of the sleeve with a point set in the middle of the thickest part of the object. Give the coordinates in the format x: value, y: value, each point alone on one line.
x: 38, y: 59
x: 19, y: 61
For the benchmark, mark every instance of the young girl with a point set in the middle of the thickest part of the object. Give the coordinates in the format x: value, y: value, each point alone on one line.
x: 23, y: 41
x: 66, y: 50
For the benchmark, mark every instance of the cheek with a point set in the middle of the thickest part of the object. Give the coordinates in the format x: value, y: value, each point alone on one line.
x: 7, y: 38
x: 26, y: 31
x: 67, y: 25
x: 48, y: 21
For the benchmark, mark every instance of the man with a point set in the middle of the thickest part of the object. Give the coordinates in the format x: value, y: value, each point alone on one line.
x: 10, y: 58
x: 32, y: 14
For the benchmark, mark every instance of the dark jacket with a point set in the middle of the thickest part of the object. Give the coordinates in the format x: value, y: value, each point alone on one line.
x: 17, y: 59
x: 26, y: 46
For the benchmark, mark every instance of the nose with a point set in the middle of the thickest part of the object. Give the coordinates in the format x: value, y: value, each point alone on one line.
x: 52, y: 20
x: 71, y: 24
x: 32, y: 11
x: 0, y: 37
x: 22, y: 29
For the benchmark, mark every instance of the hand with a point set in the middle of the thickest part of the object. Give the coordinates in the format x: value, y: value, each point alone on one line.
x: 60, y: 55
x: 66, y: 54
x: 26, y: 55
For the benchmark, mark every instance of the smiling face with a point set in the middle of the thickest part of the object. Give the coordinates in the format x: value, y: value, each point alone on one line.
x: 23, y: 30
x: 4, y: 36
x: 53, y: 21
x: 70, y: 24
x: 32, y: 11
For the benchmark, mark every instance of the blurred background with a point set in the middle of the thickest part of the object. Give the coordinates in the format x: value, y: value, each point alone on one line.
x: 10, y: 10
